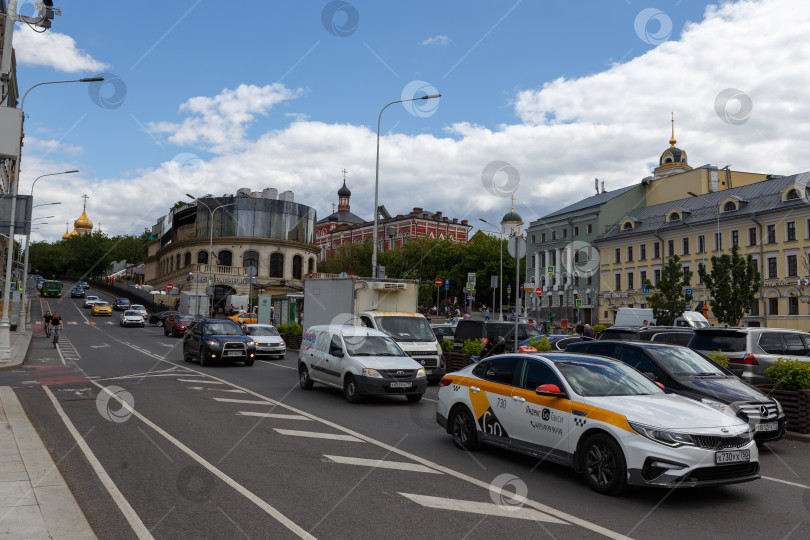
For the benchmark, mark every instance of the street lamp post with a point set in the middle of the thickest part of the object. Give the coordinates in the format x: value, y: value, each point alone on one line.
x: 377, y: 181
x: 210, y: 246
x: 5, y: 323
x: 500, y: 275
x: 24, y: 288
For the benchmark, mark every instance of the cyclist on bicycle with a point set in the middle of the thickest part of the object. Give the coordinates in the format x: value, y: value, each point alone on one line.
x: 56, y: 325
x: 46, y: 321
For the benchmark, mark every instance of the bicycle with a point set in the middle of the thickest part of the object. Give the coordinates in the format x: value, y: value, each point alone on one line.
x: 48, y: 330
x: 56, y: 332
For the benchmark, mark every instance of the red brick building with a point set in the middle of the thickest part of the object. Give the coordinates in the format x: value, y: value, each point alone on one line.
x: 343, y: 227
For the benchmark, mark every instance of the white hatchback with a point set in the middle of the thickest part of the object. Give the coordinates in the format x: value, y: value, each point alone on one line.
x: 90, y: 300
x: 599, y: 416
x: 268, y: 341
x: 130, y: 317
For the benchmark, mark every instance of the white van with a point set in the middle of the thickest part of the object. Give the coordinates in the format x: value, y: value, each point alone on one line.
x: 360, y: 361
x: 637, y: 316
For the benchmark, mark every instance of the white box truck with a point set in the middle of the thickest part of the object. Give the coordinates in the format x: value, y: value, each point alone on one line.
x: 389, y: 305
x: 637, y: 316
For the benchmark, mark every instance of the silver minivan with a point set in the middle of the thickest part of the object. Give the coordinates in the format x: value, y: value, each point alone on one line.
x: 752, y: 350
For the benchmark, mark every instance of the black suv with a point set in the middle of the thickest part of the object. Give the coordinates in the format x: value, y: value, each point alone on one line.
x: 210, y: 340
x: 491, y: 330
x: 682, y: 371
x: 674, y: 335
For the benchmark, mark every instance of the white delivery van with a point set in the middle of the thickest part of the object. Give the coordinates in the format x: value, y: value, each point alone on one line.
x: 637, y: 316
x: 360, y: 361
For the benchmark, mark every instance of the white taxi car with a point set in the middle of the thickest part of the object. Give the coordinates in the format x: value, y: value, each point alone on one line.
x: 361, y: 361
x: 90, y: 300
x: 599, y: 416
x: 268, y: 341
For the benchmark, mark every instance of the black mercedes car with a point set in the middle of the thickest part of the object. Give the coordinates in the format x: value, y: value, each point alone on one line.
x: 212, y: 340
x: 159, y: 318
x: 680, y: 370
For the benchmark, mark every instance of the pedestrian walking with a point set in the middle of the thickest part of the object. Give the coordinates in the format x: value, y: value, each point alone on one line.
x: 486, y: 314
x: 588, y: 332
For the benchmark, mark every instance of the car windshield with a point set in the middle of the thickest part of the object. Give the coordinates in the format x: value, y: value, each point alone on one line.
x: 606, y: 379
x: 131, y: 313
x: 101, y: 304
x: 683, y: 361
x: 122, y: 301
x: 138, y: 307
x: 224, y: 329
x: 92, y: 297
x: 371, y: 346
x: 262, y: 331
x: 406, y: 328
x: 183, y: 318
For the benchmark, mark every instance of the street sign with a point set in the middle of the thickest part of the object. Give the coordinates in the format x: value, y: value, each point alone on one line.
x: 689, y: 291
x: 439, y: 282
x: 509, y: 289
x: 550, y: 269
x: 578, y: 302
x: 564, y: 323
x: 516, y: 246
x: 493, y: 282
x: 539, y: 291
x: 446, y: 282
x: 471, y: 279
x: 169, y: 286
x: 644, y: 289
x: 446, y: 286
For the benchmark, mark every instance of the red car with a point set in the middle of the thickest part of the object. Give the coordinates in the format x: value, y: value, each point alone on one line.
x: 176, y: 324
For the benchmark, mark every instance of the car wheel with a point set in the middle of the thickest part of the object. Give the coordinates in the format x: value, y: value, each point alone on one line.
x: 603, y: 465
x: 462, y: 428
x: 159, y: 323
x: 303, y: 377
x: 413, y: 398
x: 204, y: 361
x: 186, y: 356
x: 350, y: 390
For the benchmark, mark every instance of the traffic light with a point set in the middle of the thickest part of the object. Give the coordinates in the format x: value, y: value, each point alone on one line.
x: 548, y: 325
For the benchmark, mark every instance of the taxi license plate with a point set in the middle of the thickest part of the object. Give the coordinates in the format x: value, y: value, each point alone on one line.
x: 401, y: 384
x: 734, y: 456
x: 429, y: 372
x: 770, y: 426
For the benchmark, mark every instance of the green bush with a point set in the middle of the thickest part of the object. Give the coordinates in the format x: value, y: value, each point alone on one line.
x: 473, y: 347
x: 599, y: 328
x: 789, y: 374
x: 719, y: 357
x: 290, y: 329
x: 541, y: 343
x: 447, y: 345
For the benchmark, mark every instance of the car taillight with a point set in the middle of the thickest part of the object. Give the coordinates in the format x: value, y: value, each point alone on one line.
x: 445, y: 381
x: 749, y: 360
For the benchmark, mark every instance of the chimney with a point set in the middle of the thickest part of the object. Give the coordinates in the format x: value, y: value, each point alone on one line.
x: 463, y: 221
x: 455, y: 220
x: 439, y: 216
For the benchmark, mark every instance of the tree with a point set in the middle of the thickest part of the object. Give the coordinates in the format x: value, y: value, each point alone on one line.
x: 669, y: 301
x: 733, y: 282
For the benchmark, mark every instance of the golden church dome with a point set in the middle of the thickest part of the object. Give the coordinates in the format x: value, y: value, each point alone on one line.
x: 83, y: 222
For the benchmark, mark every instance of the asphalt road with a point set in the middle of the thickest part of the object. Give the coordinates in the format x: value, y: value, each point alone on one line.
x: 231, y: 451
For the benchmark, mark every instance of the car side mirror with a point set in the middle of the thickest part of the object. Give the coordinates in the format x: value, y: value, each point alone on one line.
x: 551, y: 390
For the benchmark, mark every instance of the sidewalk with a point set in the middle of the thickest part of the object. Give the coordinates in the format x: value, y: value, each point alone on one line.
x: 35, y: 502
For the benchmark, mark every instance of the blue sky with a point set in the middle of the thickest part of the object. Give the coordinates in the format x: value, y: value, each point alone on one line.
x: 212, y: 96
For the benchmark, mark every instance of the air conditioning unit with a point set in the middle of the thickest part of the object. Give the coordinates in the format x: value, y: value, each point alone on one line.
x: 388, y: 286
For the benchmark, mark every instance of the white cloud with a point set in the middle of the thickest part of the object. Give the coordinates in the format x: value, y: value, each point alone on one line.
x: 437, y: 40
x: 612, y: 125
x: 52, y: 49
x: 219, y: 123
x: 51, y: 145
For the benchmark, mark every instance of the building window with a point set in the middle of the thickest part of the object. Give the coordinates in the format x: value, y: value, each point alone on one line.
x: 735, y: 238
x: 642, y: 252
x: 685, y: 246
x: 533, y: 239
x: 752, y: 235
x: 656, y: 250
x: 629, y: 253
x: 792, y: 267
x: 701, y: 244
x: 755, y: 308
x: 772, y: 273
x: 251, y: 260
x: 793, y: 305
x: 656, y: 276
x: 729, y: 207
x: 277, y: 265
x: 617, y: 255
x: 589, y: 281
x: 617, y: 285
x: 674, y: 216
x: 718, y: 241
x: 565, y: 233
x: 771, y: 234
x: 297, y: 269
x: 790, y: 231
x: 627, y: 226
x: 576, y: 231
x: 225, y: 258
x: 792, y: 194
x: 670, y: 248
x: 807, y: 228
x: 590, y: 229
x: 311, y: 265
x: 187, y: 258
x: 553, y: 235
x: 685, y: 268
x: 773, y: 306
x: 630, y: 281
x: 642, y: 276
x: 543, y: 237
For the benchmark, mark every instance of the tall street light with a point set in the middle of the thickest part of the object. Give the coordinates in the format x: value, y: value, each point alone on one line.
x: 377, y: 181
x: 24, y: 291
x: 5, y: 323
x: 500, y: 275
x: 210, y: 246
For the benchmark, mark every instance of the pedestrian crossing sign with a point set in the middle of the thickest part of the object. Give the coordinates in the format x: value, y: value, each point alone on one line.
x: 549, y: 269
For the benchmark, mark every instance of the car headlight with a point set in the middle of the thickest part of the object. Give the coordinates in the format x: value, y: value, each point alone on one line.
x: 368, y: 372
x: 722, y: 407
x: 212, y: 343
x: 778, y: 406
x: 666, y: 437
x: 420, y: 373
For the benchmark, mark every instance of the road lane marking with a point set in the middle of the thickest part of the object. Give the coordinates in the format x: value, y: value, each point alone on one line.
x: 274, y: 415
x: 429, y: 399
x: 481, y: 509
x: 276, y: 364
x: 255, y: 499
x: 785, y: 482
x: 381, y: 464
x: 199, y: 381
x: 129, y: 513
x: 317, y: 435
x: 216, y: 389
x: 248, y: 401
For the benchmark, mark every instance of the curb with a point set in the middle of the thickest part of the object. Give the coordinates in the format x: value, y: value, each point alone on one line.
x: 801, y: 437
x: 19, y: 350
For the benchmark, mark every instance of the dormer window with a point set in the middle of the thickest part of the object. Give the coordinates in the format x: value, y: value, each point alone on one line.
x: 668, y: 160
x: 628, y: 225
x: 792, y: 195
x: 674, y: 216
x: 729, y: 206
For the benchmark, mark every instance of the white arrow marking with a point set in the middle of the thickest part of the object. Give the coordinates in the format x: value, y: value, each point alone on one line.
x: 317, y: 435
x: 380, y: 464
x: 480, y: 508
x: 274, y: 415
